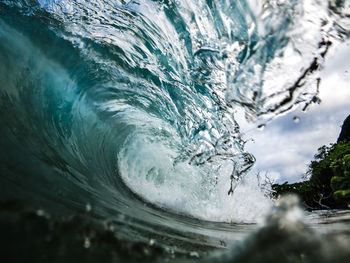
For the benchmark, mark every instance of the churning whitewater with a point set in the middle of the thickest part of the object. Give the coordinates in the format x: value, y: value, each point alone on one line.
x: 127, y: 108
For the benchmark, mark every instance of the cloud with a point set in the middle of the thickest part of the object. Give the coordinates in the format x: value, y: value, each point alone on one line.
x: 284, y: 148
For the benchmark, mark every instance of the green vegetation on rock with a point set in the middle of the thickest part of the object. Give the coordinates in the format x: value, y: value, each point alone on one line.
x: 329, y: 183
x: 329, y: 173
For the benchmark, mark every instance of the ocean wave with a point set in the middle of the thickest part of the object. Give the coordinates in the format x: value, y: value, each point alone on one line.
x: 128, y: 107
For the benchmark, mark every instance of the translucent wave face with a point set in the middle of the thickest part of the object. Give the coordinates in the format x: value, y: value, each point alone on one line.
x: 165, y: 79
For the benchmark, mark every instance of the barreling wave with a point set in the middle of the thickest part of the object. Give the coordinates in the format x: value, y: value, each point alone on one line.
x: 128, y: 106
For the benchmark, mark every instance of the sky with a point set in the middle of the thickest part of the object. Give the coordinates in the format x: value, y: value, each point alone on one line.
x: 285, y: 147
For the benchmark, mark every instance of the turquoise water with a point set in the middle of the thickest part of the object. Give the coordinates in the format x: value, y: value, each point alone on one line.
x: 126, y: 109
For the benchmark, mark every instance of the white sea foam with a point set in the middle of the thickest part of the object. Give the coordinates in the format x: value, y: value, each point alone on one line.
x: 148, y: 170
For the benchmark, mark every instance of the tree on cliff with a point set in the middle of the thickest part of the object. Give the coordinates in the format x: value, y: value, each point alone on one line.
x: 329, y: 183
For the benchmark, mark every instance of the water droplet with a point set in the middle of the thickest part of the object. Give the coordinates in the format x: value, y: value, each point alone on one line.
x: 87, y: 242
x: 88, y: 207
x: 152, y: 241
x: 261, y: 127
x: 108, y: 226
x: 40, y: 212
x: 296, y: 119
